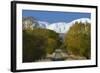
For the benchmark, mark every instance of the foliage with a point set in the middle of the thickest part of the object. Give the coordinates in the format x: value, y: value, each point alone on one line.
x: 78, y: 39
x: 33, y: 46
x: 37, y: 43
x: 52, y: 38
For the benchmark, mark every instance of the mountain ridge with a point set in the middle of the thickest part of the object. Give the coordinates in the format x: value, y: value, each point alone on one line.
x: 62, y: 27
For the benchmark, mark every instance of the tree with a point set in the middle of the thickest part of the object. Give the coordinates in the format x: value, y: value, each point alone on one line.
x: 37, y: 43
x: 52, y: 38
x: 33, y: 47
x: 78, y: 39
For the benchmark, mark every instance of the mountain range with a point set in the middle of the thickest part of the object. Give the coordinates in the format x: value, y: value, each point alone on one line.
x: 61, y: 27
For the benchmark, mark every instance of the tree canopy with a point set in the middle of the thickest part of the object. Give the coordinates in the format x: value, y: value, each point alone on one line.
x: 78, y: 39
x: 37, y: 43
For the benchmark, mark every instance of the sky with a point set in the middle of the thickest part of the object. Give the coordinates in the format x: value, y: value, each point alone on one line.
x: 55, y: 16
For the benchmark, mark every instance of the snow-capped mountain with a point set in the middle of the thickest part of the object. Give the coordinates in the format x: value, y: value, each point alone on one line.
x: 62, y: 27
x: 43, y: 24
x: 59, y: 27
x: 83, y: 20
